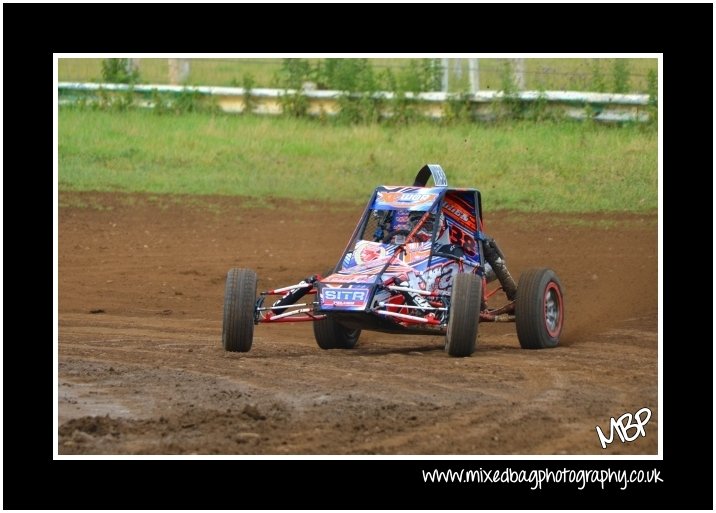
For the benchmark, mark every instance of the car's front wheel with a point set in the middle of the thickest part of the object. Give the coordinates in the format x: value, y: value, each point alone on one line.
x: 465, y: 299
x: 239, y: 303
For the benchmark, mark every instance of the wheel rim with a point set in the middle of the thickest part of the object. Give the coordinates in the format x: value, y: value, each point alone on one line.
x: 553, y: 310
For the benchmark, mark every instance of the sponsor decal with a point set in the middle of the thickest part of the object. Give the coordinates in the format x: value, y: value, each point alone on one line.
x: 401, y: 220
x: 463, y: 239
x: 415, y: 252
x: 437, y: 278
x: 459, y: 211
x: 348, y: 298
x: 366, y: 251
x: 350, y: 278
x: 372, y: 267
x: 402, y: 199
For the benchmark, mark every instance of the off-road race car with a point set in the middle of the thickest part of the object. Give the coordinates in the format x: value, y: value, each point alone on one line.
x: 418, y: 262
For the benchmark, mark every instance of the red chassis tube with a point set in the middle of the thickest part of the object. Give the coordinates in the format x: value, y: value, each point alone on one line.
x: 505, y: 313
x: 307, y: 316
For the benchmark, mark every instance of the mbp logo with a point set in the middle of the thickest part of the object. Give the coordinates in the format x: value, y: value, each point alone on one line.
x: 623, y: 425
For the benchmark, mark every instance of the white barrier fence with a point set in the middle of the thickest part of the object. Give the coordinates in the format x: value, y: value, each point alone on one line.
x: 570, y: 104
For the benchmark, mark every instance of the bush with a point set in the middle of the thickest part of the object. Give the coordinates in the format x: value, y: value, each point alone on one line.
x: 114, y: 101
x: 510, y: 106
x: 119, y: 71
x: 359, y: 109
x: 292, y: 75
x: 458, y: 109
x: 621, y: 75
x: 598, y: 83
x: 350, y: 75
x: 421, y: 76
x: 248, y: 83
x: 185, y: 102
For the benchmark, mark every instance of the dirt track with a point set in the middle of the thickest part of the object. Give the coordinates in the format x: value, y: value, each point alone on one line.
x: 142, y: 371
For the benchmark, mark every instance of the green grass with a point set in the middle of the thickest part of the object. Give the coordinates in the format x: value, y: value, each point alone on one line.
x: 548, y: 74
x: 529, y: 167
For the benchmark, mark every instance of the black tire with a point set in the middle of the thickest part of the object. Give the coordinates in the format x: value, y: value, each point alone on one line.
x: 239, y: 304
x: 539, y: 309
x: 332, y: 335
x: 465, y: 299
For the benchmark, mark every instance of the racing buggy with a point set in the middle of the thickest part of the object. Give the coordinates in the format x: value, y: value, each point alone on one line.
x: 418, y: 262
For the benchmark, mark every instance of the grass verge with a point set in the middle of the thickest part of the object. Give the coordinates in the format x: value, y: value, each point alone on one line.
x: 521, y: 166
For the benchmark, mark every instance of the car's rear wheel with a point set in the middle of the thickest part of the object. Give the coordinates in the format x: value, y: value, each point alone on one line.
x: 239, y: 303
x: 461, y: 336
x: 333, y: 335
x: 539, y: 309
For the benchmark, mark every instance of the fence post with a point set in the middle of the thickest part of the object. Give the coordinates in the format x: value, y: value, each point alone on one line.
x: 519, y: 73
x: 457, y: 66
x: 132, y: 66
x: 446, y: 71
x: 178, y: 71
x: 474, y: 68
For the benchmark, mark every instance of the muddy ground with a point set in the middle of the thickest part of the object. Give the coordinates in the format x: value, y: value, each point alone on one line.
x: 142, y: 371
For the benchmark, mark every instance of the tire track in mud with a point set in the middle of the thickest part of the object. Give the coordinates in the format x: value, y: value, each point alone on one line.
x: 490, y: 397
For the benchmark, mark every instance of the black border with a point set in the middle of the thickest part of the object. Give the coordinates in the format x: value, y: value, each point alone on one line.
x: 32, y: 480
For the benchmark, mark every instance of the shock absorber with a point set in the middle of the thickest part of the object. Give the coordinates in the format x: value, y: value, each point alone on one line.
x: 294, y: 294
x: 496, y: 259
